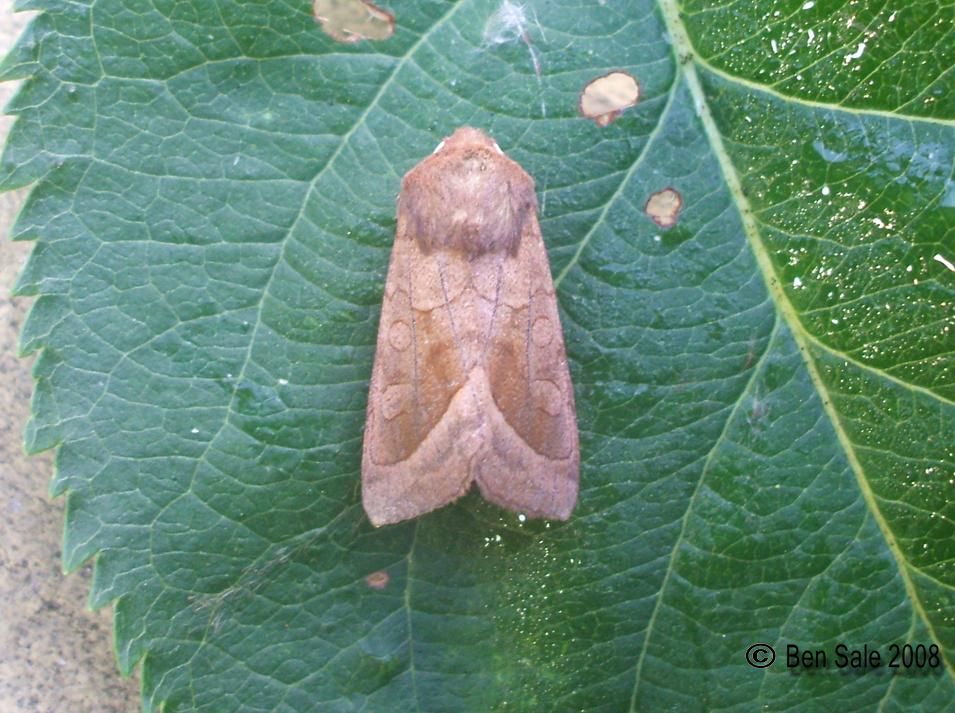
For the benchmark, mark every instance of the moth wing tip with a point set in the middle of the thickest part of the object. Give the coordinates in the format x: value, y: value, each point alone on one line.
x: 378, y: 518
x: 374, y: 517
x: 561, y: 512
x: 564, y: 513
x: 377, y: 515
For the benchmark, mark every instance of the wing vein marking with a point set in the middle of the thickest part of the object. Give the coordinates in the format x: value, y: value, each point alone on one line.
x: 447, y: 303
x: 497, y: 303
x: 416, y: 417
x: 460, y: 350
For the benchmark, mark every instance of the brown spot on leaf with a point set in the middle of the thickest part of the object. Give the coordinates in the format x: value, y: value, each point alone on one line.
x: 663, y: 207
x: 605, y: 98
x: 378, y: 580
x: 353, y: 20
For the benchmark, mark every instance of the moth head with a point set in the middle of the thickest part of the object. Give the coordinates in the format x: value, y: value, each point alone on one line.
x: 467, y: 137
x: 467, y: 196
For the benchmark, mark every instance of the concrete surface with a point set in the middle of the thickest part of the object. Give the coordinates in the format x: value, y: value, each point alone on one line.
x: 56, y: 656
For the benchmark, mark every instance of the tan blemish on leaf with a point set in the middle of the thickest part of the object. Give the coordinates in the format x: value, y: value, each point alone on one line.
x: 353, y: 20
x: 605, y: 98
x: 378, y: 580
x: 663, y: 207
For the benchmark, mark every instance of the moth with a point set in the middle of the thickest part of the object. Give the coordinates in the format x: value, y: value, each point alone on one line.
x: 470, y: 383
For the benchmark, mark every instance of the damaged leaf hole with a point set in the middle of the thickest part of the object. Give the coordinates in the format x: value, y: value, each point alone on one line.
x: 604, y: 99
x: 352, y: 21
x: 378, y: 580
x: 663, y: 207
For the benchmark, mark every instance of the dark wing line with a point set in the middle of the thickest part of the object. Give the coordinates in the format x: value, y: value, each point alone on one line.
x: 414, y: 342
x: 447, y: 304
x: 497, y: 303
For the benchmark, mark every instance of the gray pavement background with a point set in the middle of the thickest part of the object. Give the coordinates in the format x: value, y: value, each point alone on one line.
x: 56, y: 656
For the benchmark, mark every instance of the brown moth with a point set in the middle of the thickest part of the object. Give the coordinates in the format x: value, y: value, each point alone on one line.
x: 470, y: 382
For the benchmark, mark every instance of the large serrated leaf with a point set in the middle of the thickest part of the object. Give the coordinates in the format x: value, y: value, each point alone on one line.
x: 765, y: 390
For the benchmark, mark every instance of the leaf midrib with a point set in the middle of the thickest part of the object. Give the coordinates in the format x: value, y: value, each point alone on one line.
x: 684, y: 48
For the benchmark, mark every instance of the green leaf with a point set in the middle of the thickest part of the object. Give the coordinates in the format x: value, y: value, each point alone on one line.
x: 765, y: 390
